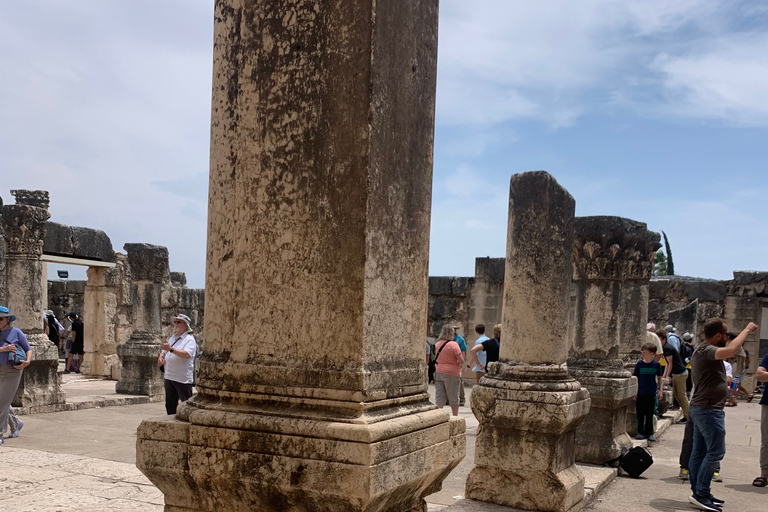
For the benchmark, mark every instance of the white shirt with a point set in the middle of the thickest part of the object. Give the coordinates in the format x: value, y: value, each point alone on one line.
x: 177, y: 368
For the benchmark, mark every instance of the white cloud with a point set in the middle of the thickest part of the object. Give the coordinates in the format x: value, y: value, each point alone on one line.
x: 555, y: 61
x: 725, y: 82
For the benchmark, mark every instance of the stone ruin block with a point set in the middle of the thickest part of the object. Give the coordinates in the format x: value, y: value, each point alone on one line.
x: 318, y: 218
x: 440, y: 285
x: 490, y: 269
x: 460, y: 286
x: 706, y: 290
x: 527, y: 405
x: 36, y: 198
x: 612, y: 255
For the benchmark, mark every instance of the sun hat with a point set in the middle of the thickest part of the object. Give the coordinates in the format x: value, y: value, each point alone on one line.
x: 687, y: 336
x: 185, y: 319
x: 670, y: 328
x: 5, y: 313
x: 73, y: 315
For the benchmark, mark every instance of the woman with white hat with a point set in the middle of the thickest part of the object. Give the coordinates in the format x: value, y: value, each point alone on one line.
x: 10, y: 373
x: 177, y: 361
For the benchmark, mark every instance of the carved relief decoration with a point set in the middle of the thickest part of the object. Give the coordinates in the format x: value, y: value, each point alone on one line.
x: 613, y: 248
x: 24, y: 229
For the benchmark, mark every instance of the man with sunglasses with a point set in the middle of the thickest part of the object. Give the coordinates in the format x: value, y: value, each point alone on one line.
x: 706, y: 410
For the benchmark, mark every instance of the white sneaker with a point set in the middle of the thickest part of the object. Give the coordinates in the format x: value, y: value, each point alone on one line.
x: 15, y: 433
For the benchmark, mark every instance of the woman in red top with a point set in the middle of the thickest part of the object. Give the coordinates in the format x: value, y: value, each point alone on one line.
x: 448, y: 371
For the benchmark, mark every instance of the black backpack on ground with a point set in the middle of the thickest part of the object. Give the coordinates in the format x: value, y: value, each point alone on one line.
x: 634, y: 462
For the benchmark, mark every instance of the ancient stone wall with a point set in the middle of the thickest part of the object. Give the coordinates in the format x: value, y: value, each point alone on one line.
x: 109, y: 322
x: 66, y: 296
x: 687, y: 302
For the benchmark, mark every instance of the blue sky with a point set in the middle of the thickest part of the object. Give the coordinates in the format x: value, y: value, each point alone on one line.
x: 651, y: 110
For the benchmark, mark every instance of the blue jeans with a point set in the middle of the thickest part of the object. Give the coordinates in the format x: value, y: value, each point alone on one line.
x: 708, y: 447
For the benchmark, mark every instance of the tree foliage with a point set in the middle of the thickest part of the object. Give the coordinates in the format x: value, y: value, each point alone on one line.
x: 660, y: 264
x: 668, y: 250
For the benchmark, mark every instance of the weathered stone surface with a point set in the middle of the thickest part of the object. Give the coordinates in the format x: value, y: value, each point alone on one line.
x: 92, y: 244
x: 536, y: 282
x: 613, y: 248
x: 321, y: 155
x: 36, y: 198
x: 148, y: 262
x: 633, y: 317
x: 460, y: 286
x: 490, y: 269
x: 611, y: 253
x: 23, y: 228
x: 528, y: 412
x: 179, y: 278
x: 444, y: 307
x: 440, y: 285
x: 709, y: 291
x: 684, y: 319
x: 78, y: 242
x: 58, y: 239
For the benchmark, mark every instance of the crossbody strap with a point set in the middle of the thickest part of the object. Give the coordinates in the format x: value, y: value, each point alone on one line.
x: 441, y: 348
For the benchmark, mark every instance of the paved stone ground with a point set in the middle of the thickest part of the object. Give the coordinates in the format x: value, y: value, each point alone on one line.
x: 83, y: 460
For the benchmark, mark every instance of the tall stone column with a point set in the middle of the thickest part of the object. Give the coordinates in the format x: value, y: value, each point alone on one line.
x: 312, y: 388
x: 527, y: 405
x: 100, y: 308
x: 610, y: 258
x: 24, y: 231
x: 149, y: 271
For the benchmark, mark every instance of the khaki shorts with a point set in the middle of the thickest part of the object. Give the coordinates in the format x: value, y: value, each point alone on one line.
x: 447, y: 389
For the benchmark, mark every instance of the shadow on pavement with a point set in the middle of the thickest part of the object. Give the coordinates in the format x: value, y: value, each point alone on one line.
x: 749, y: 488
x: 666, y: 505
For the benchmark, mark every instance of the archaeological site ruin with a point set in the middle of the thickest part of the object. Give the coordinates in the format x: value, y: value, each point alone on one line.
x: 318, y: 232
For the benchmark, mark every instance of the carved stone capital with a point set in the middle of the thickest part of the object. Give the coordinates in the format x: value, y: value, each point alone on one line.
x: 613, y: 249
x: 24, y: 229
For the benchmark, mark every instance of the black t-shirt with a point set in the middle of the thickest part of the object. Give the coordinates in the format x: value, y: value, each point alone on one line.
x: 77, y: 331
x: 491, y: 347
x: 678, y: 366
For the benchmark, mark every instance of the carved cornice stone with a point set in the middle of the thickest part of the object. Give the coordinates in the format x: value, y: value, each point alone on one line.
x: 24, y: 229
x: 613, y: 249
x: 38, y: 198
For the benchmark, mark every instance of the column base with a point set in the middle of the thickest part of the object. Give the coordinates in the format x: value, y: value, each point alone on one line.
x: 40, y: 381
x: 238, y: 460
x: 603, y: 434
x: 140, y: 374
x: 524, y: 449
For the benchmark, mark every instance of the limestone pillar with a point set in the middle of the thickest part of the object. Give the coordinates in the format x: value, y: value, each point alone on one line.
x: 24, y: 231
x: 138, y: 356
x: 611, y: 260
x: 312, y: 389
x: 527, y: 405
x: 100, y: 309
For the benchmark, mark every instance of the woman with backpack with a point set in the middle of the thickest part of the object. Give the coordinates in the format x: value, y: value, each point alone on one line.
x: 449, y: 362
x: 11, y: 339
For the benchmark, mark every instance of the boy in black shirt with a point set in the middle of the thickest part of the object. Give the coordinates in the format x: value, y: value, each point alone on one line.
x: 649, y: 386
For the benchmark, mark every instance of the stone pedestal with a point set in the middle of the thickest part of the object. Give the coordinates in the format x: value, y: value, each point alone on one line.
x: 138, y: 356
x: 24, y: 231
x: 610, y: 256
x: 312, y: 388
x: 527, y: 405
x: 100, y: 309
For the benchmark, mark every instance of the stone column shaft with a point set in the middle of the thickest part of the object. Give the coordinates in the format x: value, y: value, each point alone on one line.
x: 24, y: 231
x: 140, y: 374
x: 312, y: 384
x: 527, y: 405
x: 610, y: 256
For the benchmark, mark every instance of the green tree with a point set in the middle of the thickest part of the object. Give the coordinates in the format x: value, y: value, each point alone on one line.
x: 660, y: 264
x: 668, y: 250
